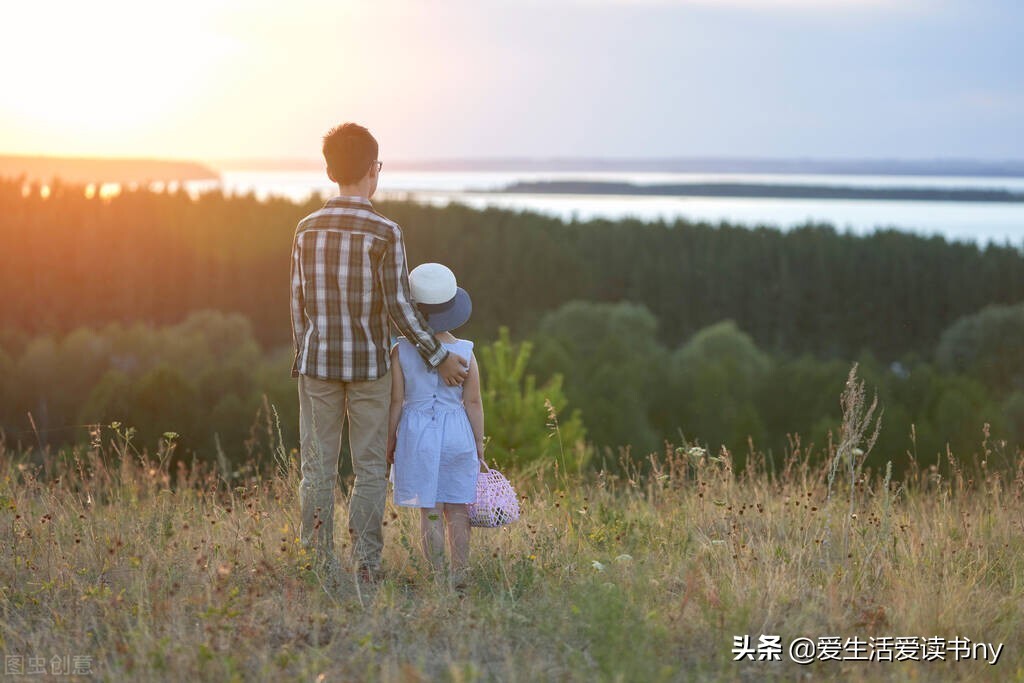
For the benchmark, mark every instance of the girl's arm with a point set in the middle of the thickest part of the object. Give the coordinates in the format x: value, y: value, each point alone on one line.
x: 474, y: 405
x: 397, y: 399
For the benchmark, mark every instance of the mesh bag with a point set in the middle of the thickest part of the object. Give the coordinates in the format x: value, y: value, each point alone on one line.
x: 496, y: 503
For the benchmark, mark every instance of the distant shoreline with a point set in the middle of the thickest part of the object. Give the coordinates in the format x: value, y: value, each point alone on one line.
x: 140, y: 170
x: 87, y: 170
x: 765, y: 191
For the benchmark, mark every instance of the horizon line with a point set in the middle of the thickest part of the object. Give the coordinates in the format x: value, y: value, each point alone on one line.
x: 934, y: 166
x: 536, y: 158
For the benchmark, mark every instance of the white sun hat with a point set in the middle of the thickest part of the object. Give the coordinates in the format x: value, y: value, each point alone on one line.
x: 439, y: 297
x: 432, y: 283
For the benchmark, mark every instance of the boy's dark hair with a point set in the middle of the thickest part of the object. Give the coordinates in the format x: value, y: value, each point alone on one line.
x: 349, y: 149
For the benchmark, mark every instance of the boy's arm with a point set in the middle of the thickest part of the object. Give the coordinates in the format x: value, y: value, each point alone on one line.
x: 395, y: 282
x: 472, y: 399
x: 298, y: 303
x: 397, y: 398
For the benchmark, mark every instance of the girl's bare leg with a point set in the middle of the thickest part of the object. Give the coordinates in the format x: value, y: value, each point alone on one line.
x: 457, y: 519
x: 432, y: 531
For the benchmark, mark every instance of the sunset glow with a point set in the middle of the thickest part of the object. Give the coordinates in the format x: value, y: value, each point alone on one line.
x: 235, y: 79
x: 104, y: 78
x: 101, y: 73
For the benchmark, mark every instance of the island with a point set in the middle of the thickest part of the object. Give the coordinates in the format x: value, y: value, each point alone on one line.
x: 83, y: 170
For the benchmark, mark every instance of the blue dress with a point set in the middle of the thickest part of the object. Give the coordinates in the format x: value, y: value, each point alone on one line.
x: 435, y: 451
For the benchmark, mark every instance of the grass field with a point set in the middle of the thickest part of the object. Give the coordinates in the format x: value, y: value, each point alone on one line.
x: 117, y: 566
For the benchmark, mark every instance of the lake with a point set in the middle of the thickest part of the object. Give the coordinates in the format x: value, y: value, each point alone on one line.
x: 979, y: 222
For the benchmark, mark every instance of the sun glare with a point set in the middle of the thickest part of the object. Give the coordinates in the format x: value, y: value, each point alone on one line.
x: 102, y: 69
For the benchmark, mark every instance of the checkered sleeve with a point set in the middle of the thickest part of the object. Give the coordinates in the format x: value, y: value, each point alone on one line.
x: 298, y: 302
x: 408, y: 319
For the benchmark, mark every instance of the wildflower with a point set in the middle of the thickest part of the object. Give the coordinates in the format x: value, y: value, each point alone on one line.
x: 624, y: 558
x: 552, y: 415
x: 598, y: 566
x: 95, y: 436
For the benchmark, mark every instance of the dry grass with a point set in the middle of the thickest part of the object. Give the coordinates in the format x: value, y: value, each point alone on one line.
x: 160, y: 575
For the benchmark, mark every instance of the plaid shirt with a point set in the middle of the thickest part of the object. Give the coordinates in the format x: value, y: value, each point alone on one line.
x: 349, y: 275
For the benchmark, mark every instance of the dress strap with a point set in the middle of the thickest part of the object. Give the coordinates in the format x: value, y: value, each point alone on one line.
x: 464, y: 348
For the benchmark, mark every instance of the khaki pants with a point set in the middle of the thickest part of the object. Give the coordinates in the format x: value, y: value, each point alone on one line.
x: 322, y: 410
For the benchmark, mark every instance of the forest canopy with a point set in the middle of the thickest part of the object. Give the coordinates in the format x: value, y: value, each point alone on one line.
x: 171, y: 312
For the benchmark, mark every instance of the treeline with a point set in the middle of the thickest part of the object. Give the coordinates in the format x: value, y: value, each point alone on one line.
x: 652, y: 332
x: 155, y: 257
x: 206, y: 386
x: 718, y: 388
x: 203, y: 379
x: 593, y: 383
x: 141, y: 256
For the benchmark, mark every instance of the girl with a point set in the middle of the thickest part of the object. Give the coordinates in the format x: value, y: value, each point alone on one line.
x: 436, y: 431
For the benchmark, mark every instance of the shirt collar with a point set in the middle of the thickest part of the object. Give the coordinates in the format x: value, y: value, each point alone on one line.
x: 348, y: 200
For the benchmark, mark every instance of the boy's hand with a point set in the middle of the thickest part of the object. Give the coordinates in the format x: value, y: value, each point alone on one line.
x: 454, y: 370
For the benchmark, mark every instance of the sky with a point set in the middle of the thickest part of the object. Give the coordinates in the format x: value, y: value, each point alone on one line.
x: 215, y: 80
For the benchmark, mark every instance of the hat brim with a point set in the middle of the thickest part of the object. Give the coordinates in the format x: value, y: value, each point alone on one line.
x: 449, y: 315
